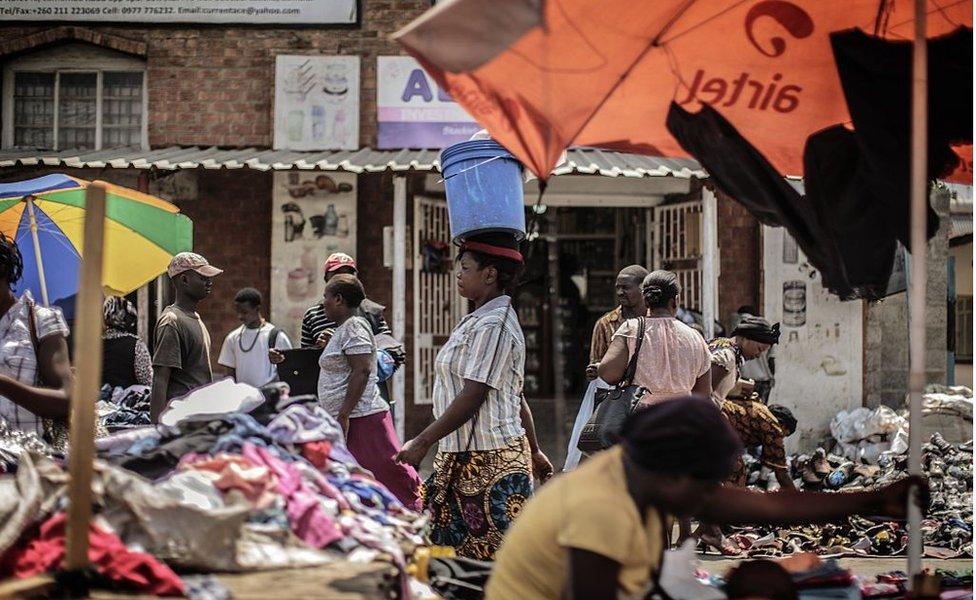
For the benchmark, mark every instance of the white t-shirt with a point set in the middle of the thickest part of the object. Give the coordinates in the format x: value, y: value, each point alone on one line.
x: 246, y: 351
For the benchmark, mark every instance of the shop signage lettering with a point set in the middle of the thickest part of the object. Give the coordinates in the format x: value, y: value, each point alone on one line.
x: 413, y: 111
x: 418, y: 85
x: 244, y: 12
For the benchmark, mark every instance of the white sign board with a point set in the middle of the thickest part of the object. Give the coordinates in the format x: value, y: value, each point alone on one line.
x: 314, y: 215
x: 244, y: 12
x: 819, y: 361
x: 412, y: 112
x: 316, y: 103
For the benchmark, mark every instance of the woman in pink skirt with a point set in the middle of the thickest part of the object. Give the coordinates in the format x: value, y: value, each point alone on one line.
x: 348, y: 391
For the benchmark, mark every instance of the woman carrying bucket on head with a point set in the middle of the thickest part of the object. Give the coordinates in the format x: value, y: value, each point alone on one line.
x: 486, y: 457
x: 483, y: 468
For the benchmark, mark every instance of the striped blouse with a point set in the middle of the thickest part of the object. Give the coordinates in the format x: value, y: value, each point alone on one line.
x: 487, y: 346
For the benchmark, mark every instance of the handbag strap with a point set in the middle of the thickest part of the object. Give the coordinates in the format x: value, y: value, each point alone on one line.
x: 632, y: 365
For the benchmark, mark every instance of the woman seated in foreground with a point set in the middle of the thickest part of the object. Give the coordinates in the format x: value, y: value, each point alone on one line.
x: 602, y: 529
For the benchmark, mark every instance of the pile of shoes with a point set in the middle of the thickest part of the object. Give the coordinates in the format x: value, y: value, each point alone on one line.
x: 947, y: 530
x: 824, y: 471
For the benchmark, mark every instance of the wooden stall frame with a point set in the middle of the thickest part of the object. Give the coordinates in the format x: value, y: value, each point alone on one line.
x: 85, y: 387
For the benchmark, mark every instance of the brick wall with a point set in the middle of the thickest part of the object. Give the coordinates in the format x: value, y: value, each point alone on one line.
x: 740, y: 250
x: 215, y: 85
x: 231, y: 223
x: 886, y: 358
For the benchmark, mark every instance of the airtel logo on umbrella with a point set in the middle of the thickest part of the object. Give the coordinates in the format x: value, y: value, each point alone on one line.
x: 746, y: 90
x: 793, y: 18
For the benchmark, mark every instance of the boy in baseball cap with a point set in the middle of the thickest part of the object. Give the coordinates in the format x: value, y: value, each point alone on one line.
x: 191, y: 261
x: 181, y: 356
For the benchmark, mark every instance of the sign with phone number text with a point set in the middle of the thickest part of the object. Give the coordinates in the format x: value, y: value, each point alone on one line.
x: 244, y: 12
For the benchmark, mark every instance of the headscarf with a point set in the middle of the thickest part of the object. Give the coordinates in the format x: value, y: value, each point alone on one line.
x: 494, y: 243
x: 757, y: 329
x: 687, y: 435
x: 119, y: 314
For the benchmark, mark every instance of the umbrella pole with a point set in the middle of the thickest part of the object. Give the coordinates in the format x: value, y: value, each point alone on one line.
x: 37, y: 250
x: 916, y: 300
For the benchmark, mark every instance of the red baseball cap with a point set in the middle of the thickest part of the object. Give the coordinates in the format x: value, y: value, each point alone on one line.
x: 337, y: 260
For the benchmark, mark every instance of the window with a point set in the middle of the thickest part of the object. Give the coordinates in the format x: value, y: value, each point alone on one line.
x: 93, y: 110
x: 77, y: 96
x: 964, y: 328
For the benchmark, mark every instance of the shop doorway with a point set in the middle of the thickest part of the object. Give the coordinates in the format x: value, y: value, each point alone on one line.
x: 571, y: 267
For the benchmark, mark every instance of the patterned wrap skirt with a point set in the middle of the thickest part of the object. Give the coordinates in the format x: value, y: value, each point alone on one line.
x: 474, y: 496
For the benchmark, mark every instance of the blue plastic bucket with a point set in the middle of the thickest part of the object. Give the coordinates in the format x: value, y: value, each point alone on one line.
x: 484, y: 189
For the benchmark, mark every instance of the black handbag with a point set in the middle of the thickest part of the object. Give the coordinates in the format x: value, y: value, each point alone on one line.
x: 613, y: 406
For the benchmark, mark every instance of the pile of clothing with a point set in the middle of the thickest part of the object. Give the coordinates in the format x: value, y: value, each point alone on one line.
x: 123, y: 408
x: 947, y: 529
x: 214, y: 493
x: 14, y: 443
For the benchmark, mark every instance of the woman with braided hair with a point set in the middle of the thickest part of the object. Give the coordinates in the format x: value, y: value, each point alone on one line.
x: 34, y: 367
x: 673, y: 357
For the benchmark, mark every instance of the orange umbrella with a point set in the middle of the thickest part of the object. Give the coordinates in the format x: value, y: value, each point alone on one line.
x: 544, y: 76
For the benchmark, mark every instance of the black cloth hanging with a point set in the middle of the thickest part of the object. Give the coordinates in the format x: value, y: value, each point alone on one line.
x: 742, y: 172
x: 876, y: 75
x: 849, y: 212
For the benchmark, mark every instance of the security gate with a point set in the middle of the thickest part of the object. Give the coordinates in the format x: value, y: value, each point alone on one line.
x: 676, y: 245
x: 437, y: 306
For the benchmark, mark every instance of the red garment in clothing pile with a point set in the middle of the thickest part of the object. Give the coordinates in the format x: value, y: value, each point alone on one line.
x: 317, y: 453
x: 136, y: 571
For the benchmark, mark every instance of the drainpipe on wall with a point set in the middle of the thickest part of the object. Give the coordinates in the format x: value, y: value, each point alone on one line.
x: 399, y: 294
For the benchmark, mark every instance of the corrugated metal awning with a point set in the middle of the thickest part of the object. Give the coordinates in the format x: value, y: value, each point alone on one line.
x: 587, y: 161
x: 960, y: 225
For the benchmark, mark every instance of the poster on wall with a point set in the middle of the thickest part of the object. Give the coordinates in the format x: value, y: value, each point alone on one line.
x: 314, y: 215
x: 412, y: 112
x: 819, y: 358
x: 316, y: 103
x: 245, y: 12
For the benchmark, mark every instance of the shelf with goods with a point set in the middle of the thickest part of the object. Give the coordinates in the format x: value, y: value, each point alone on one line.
x: 533, y: 314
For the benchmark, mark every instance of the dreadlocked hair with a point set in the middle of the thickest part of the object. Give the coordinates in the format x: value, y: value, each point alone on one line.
x: 11, y: 263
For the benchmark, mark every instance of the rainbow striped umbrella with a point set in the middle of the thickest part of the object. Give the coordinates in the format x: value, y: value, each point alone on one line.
x: 46, y: 217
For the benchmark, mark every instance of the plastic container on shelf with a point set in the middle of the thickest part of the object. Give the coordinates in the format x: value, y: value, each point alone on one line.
x: 484, y: 189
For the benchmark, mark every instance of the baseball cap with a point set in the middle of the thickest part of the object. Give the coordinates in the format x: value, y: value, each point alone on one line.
x: 190, y: 261
x: 337, y: 260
